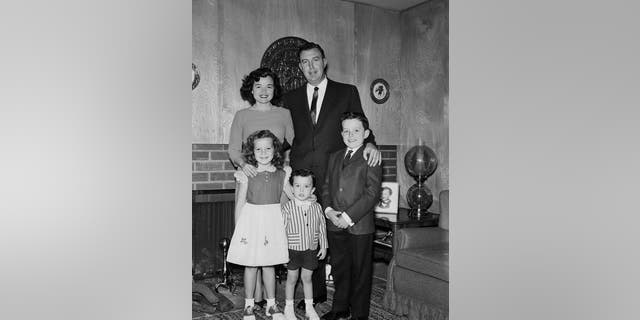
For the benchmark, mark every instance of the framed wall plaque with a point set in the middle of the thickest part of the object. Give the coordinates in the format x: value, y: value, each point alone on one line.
x: 380, y: 91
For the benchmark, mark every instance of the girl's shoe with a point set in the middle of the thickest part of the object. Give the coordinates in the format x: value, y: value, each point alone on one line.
x: 274, y: 313
x: 247, y: 314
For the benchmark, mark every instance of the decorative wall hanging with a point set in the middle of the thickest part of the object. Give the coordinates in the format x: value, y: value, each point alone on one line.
x: 379, y: 91
x: 195, y: 76
x: 282, y: 58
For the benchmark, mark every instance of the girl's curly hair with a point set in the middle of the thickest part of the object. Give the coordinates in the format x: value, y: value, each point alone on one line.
x: 253, y: 77
x: 248, y: 146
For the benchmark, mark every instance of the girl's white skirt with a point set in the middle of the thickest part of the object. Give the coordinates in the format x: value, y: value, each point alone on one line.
x: 259, y: 238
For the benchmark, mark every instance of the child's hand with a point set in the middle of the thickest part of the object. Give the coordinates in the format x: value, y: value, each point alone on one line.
x: 342, y: 222
x: 288, y: 189
x: 240, y: 176
x: 322, y: 253
x: 332, y: 215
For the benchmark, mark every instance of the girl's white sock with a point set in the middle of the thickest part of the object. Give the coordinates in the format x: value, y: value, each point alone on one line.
x: 271, y: 302
x: 248, y: 303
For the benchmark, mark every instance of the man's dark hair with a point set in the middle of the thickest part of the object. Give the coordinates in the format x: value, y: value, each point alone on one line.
x: 303, y: 173
x: 309, y: 46
x: 356, y: 115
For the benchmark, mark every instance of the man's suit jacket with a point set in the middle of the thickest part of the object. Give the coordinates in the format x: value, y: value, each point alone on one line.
x: 354, y: 189
x: 312, y: 144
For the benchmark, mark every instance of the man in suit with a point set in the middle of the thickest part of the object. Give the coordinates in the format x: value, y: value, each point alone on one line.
x: 350, y: 193
x: 316, y: 109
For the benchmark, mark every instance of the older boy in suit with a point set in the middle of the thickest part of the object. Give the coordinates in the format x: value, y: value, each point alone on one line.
x: 350, y: 193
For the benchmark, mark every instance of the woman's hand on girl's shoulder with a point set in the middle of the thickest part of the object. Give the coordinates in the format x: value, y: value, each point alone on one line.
x: 240, y: 176
x: 249, y: 170
x: 287, y: 170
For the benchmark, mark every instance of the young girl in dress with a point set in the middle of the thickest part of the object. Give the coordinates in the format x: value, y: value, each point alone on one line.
x: 259, y: 239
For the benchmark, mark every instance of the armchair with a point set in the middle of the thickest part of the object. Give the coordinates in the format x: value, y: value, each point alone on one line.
x: 418, y: 274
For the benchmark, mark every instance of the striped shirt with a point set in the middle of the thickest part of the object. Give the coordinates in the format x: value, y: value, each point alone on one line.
x: 305, y: 226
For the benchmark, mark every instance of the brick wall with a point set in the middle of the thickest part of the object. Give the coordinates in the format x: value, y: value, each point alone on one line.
x: 389, y: 163
x: 211, y: 168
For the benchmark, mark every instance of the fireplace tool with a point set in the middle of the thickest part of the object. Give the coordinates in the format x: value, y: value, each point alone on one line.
x: 227, y: 280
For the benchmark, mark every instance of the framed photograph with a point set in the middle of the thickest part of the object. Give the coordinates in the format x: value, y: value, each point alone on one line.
x: 388, y: 202
x: 379, y: 91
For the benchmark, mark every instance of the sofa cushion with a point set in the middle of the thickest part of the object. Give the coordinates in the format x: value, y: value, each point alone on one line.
x: 443, y: 221
x: 432, y: 260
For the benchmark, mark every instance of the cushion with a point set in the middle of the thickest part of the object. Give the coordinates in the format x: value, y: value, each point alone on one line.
x: 432, y: 260
x: 443, y: 222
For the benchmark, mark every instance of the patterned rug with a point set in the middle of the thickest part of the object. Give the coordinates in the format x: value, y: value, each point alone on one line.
x: 376, y: 311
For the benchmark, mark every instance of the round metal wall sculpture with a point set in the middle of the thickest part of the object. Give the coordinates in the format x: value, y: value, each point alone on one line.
x: 282, y: 58
x: 195, y: 76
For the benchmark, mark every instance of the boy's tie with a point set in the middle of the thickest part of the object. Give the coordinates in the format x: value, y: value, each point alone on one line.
x: 346, y: 158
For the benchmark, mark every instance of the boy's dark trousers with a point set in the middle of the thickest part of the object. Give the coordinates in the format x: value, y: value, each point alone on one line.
x: 352, y: 269
x: 319, y: 285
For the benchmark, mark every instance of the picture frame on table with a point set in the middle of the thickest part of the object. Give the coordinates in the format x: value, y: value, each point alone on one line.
x: 388, y: 202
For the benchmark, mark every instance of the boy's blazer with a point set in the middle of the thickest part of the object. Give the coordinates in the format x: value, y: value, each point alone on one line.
x: 354, y: 189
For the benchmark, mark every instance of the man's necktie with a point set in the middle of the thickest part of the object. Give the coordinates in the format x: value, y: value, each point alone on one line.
x: 314, y: 101
x: 346, y: 158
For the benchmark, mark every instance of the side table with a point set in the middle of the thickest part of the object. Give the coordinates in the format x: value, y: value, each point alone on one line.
x: 383, y: 247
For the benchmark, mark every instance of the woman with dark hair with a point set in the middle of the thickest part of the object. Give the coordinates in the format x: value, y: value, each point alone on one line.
x: 261, y: 89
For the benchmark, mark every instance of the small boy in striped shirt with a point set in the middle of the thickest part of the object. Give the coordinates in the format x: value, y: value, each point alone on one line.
x: 307, y: 237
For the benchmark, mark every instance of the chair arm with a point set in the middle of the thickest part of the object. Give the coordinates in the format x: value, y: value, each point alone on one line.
x: 419, y: 237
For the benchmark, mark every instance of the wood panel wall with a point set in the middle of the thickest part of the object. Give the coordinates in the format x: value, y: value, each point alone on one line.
x: 424, y: 70
x: 377, y: 34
